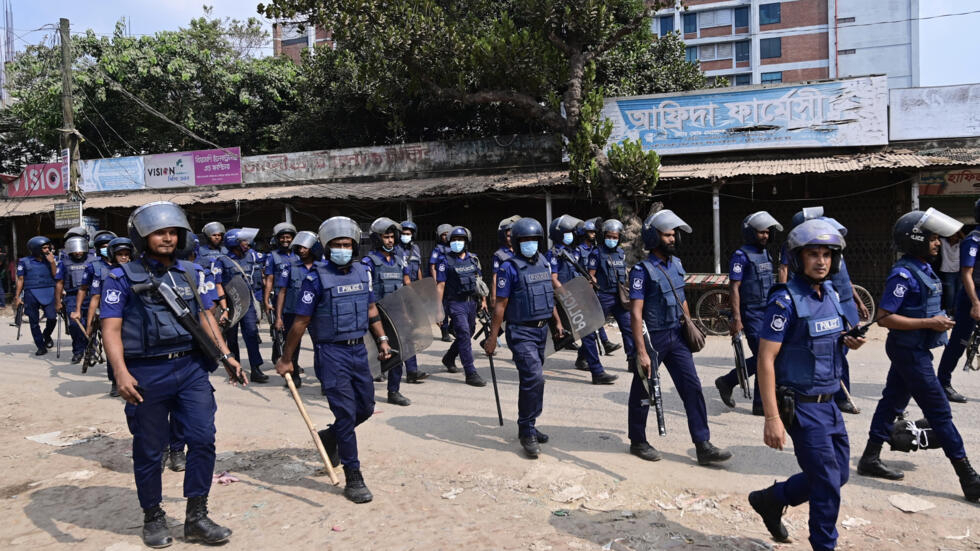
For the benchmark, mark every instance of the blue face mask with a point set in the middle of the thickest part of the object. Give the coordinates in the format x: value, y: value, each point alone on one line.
x: 456, y: 246
x: 529, y: 248
x: 611, y: 243
x: 341, y: 257
x: 104, y: 251
x: 406, y: 239
x: 387, y: 249
x: 567, y: 238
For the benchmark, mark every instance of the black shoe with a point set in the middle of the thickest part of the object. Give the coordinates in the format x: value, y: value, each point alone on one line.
x: 76, y: 358
x: 381, y: 378
x: 610, y: 347
x: 571, y: 346
x: 542, y: 437
x: 870, y: 464
x: 530, y: 445
x: 163, y: 460
x: 329, y: 441
x: 41, y: 351
x: 757, y: 410
x: 474, y: 379
x: 582, y: 364
x: 954, y: 396
x: 450, y: 365
x: 178, y: 460
x: 397, y: 399
x: 256, y: 376
x: 155, y: 531
x: 725, y: 390
x: 199, y: 527
x: 969, y: 479
x: 645, y: 451
x: 297, y: 380
x: 708, y: 453
x: 49, y: 342
x: 114, y: 391
x: 416, y: 377
x: 604, y: 378
x: 764, y: 502
x: 355, y: 489
x: 445, y: 334
x: 847, y: 406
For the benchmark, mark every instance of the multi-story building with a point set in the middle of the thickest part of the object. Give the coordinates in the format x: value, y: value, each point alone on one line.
x: 290, y: 38
x: 763, y: 41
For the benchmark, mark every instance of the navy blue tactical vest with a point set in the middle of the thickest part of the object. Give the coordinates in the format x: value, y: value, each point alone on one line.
x: 297, y: 273
x: 661, y: 310
x: 149, y: 327
x: 38, y: 279
x: 280, y: 259
x: 100, y: 269
x: 930, y: 304
x: 566, y: 272
x: 412, y: 256
x: 207, y: 255
x: 388, y: 278
x: 973, y: 240
x: 532, y: 296
x: 461, y: 276
x: 610, y: 270
x: 757, y: 279
x: 74, y: 273
x: 342, y: 311
x: 252, y: 265
x: 811, y: 358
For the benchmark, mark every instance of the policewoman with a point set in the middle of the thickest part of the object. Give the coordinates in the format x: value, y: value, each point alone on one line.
x: 283, y: 234
x: 72, y: 269
x: 657, y: 300
x: 456, y: 287
x: 161, y: 371
x: 607, y: 264
x: 243, y: 260
x: 337, y: 297
x: 98, y: 269
x: 409, y: 250
x: 37, y: 277
x: 800, y: 364
x: 911, y: 310
x: 289, y: 281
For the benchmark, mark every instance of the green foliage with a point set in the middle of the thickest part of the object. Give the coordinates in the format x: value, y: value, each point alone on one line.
x: 633, y: 169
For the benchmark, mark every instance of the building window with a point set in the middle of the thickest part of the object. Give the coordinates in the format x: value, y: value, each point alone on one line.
x: 690, y: 23
x: 742, y: 51
x: 743, y: 79
x: 846, y: 52
x: 666, y: 25
x: 769, y: 14
x: 715, y: 18
x: 741, y: 17
x: 770, y: 48
x: 691, y: 53
x: 711, y: 52
x: 768, y: 78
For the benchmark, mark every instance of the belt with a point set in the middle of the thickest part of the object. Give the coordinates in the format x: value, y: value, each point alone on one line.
x: 817, y: 398
x: 539, y: 323
x: 349, y: 342
x: 166, y: 357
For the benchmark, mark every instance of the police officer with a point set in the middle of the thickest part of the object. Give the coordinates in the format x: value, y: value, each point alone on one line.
x: 283, y: 234
x: 37, y: 278
x: 911, y: 310
x: 750, y: 276
x: 586, y: 232
x: 90, y: 293
x: 525, y: 298
x: 800, y: 360
x: 121, y: 249
x: 607, y: 265
x: 161, y: 370
x: 389, y: 272
x: 562, y: 257
x: 504, y: 252
x: 456, y: 284
x: 73, y: 274
x: 213, y: 245
x: 435, y: 258
x: 657, y: 300
x: 288, y: 282
x: 244, y: 261
x: 967, y: 310
x: 77, y: 231
x: 409, y: 250
x: 336, y: 295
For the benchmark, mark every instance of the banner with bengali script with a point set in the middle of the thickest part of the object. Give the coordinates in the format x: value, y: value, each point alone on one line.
x: 960, y: 181
x: 114, y: 174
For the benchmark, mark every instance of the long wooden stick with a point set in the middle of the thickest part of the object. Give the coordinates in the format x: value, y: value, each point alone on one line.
x: 848, y: 394
x: 309, y: 424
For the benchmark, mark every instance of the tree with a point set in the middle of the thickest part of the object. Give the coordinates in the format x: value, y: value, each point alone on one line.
x: 549, y: 62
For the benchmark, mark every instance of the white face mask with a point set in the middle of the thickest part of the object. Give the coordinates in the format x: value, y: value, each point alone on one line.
x: 406, y: 239
x: 567, y: 238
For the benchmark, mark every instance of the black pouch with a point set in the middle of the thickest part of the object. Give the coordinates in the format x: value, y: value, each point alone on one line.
x: 786, y: 403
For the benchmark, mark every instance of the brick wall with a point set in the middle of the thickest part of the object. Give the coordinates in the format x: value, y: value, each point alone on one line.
x: 801, y: 13
x: 800, y: 75
x: 803, y: 47
x: 716, y: 31
x: 716, y: 65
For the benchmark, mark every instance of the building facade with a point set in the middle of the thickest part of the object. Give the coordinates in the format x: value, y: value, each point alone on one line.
x: 291, y: 38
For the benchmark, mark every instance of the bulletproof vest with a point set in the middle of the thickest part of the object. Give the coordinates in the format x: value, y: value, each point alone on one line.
x: 461, y: 276
x: 37, y: 274
x: 610, y: 270
x: 660, y: 308
x: 207, y: 255
x: 757, y: 279
x: 412, y: 256
x: 149, y: 327
x: 387, y: 278
x: 973, y: 240
x: 930, y: 304
x: 100, y: 269
x: 532, y: 296
x: 439, y: 251
x: 811, y: 358
x: 501, y: 255
x: 342, y: 312
x: 297, y: 273
x: 842, y: 282
x: 251, y: 264
x: 566, y: 272
x: 63, y: 256
x: 279, y: 259
x: 73, y: 275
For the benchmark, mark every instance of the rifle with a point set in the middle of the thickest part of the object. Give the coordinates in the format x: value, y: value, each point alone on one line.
x: 484, y: 316
x: 652, y: 385
x: 741, y: 369
x: 971, y: 350
x: 93, y: 351
x: 278, y: 338
x: 19, y: 318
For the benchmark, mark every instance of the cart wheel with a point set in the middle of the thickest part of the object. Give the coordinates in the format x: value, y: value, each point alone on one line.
x: 866, y: 299
x: 714, y: 311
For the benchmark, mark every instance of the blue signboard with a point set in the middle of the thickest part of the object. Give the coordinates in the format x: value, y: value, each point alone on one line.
x: 119, y: 173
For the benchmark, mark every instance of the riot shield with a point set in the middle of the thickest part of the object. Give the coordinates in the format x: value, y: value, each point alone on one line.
x: 407, y: 322
x: 426, y: 290
x: 579, y: 308
x: 239, y: 297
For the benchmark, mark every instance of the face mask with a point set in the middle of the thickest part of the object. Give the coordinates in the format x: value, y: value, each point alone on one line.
x: 567, y: 238
x: 341, y: 257
x: 529, y: 248
x: 104, y: 251
x: 406, y: 239
x: 388, y: 249
x: 611, y: 243
x: 456, y: 246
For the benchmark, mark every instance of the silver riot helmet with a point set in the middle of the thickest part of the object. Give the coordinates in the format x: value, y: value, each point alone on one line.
x: 382, y: 226
x: 283, y: 227
x: 304, y: 239
x: 814, y: 233
x: 912, y: 230
x: 157, y: 216
x: 77, y: 231
x: 659, y: 222
x: 76, y: 244
x: 806, y: 213
x: 212, y: 228
x: 339, y: 226
x: 443, y: 229
x: 504, y: 226
x: 757, y: 222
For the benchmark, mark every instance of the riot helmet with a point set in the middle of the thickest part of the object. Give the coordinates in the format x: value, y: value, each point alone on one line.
x: 76, y: 244
x: 409, y: 225
x: 212, y: 228
x: 77, y: 231
x: 806, y: 213
x: 837, y: 225
x: 443, y: 229
x: 304, y: 239
x: 339, y: 226
x: 814, y: 233
x: 523, y: 229
x: 382, y: 226
x: 757, y: 222
x: 121, y: 243
x: 505, y: 226
x: 190, y: 249
x: 912, y: 230
x: 460, y: 231
x: 661, y: 221
x: 35, y: 243
x: 156, y: 216
x: 102, y: 238
x: 560, y: 226
x: 236, y: 236
x: 283, y: 227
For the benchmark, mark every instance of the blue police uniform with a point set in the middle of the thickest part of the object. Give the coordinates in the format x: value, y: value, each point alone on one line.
x: 274, y: 263
x: 808, y: 324
x: 914, y: 290
x: 566, y: 272
x: 338, y: 304
x: 162, y: 356
x: 413, y: 258
x: 387, y: 276
x: 662, y: 315
x: 526, y: 283
x: 459, y: 297
x: 959, y: 337
x: 437, y: 255
x: 95, y: 275
x: 500, y: 256
x: 610, y: 271
x: 584, y: 251
x: 208, y: 255
x: 73, y: 276
x: 252, y: 265
x: 290, y: 278
x: 39, y: 285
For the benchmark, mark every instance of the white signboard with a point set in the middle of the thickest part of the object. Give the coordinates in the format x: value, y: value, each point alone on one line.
x: 169, y: 170
x: 935, y: 112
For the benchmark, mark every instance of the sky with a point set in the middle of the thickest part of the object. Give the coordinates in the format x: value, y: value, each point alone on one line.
x: 948, y: 48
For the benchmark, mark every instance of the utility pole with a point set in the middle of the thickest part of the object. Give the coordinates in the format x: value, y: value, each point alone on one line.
x: 69, y: 138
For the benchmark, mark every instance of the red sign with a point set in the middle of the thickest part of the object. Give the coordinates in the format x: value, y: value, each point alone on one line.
x: 38, y: 181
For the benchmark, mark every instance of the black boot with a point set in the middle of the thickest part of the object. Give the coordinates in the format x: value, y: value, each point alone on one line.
x: 604, y: 378
x: 450, y: 365
x: 197, y: 525
x: 445, y: 334
x: 871, y: 464
x: 355, y: 489
x: 416, y: 377
x: 771, y: 510
x: 725, y: 390
x: 969, y: 479
x: 645, y: 451
x: 155, y: 531
x: 297, y: 380
x: 474, y: 379
x: 708, y: 453
x: 329, y: 441
x: 954, y: 396
x: 395, y: 397
x: 178, y: 460
x: 582, y: 364
x: 530, y: 445
x: 610, y: 347
x: 256, y: 376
